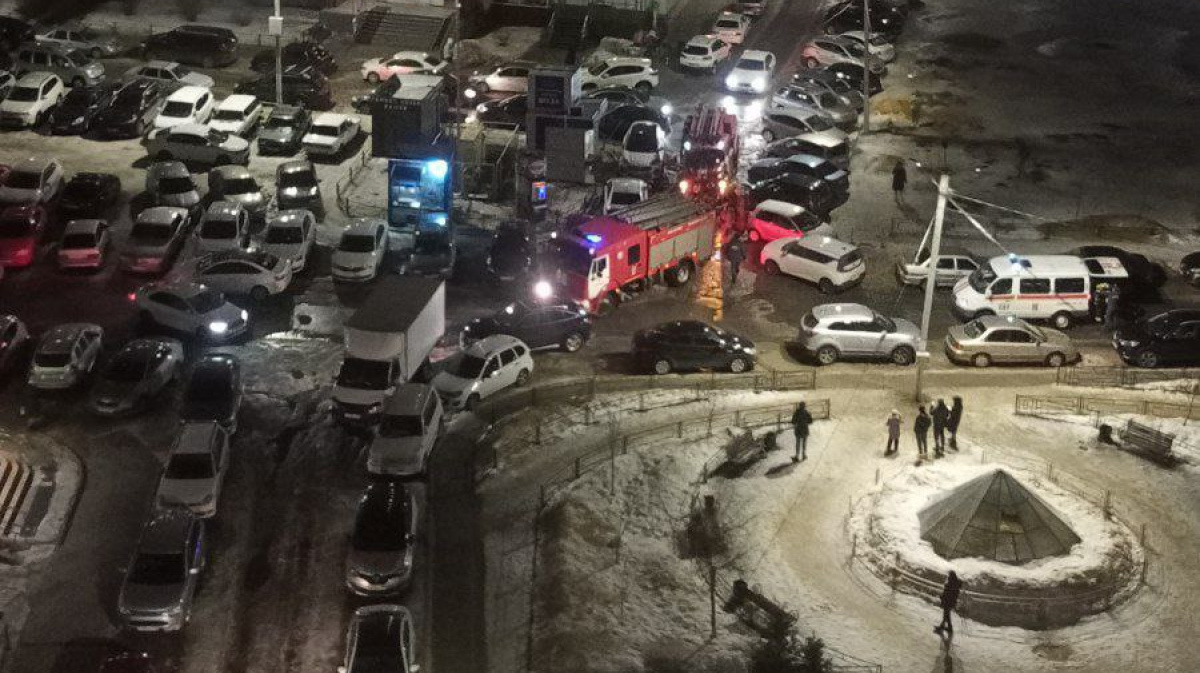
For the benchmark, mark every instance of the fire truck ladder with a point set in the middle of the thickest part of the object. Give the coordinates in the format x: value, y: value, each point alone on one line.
x: 663, y: 210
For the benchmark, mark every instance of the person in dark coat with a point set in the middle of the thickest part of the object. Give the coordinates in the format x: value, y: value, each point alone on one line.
x: 893, y: 428
x: 899, y: 180
x: 941, y: 416
x: 735, y: 252
x: 921, y: 430
x: 801, y: 419
x: 956, y: 410
x: 949, y: 601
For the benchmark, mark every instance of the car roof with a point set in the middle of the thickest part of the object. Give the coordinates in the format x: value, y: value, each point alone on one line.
x: 166, y: 531
x: 259, y: 258
x: 842, y: 310
x: 365, y: 227
x: 141, y: 349
x: 826, y: 244
x: 288, y: 218
x: 781, y: 207
x: 31, y: 164
x: 61, y: 338
x: 628, y: 60
x: 181, y: 288
x: 295, y: 166
x: 627, y: 184
x: 754, y: 55
x: 222, y: 360
x: 332, y: 118
x: 231, y: 172
x: 237, y: 101
x: 489, y: 345
x: 161, y: 214
x: 188, y: 94
x: 171, y: 169
x: 170, y: 65
x: 190, y: 129
x: 806, y: 159
x: 820, y: 139
x: 286, y: 110
x: 223, y: 209
x: 993, y: 321
x: 703, y: 40
x: 82, y: 226
x: 1033, y: 265
x: 194, y: 436
x: 35, y: 78
x: 408, y: 400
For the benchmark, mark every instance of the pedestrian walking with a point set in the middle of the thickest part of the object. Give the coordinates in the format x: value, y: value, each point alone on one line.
x: 899, y: 180
x: 949, y: 601
x: 941, y: 417
x: 735, y: 252
x: 956, y: 409
x: 801, y: 419
x: 921, y: 430
x: 893, y: 428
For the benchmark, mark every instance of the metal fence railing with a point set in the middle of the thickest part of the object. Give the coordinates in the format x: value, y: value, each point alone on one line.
x: 1125, y: 377
x: 1030, y: 405
x: 131, y: 31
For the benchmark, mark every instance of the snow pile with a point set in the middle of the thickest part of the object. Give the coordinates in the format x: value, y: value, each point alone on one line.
x: 1187, y: 433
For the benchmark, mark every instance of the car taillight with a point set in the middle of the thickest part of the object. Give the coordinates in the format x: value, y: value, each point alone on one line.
x: 132, y: 296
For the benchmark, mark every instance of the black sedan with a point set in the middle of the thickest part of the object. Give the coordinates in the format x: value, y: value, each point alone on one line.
x: 565, y: 326
x: 133, y: 109
x: 1170, y: 338
x: 74, y: 115
x: 853, y: 74
x: 1143, y: 273
x: 301, y: 54
x: 214, y: 391
x: 814, y: 194
x: 690, y: 345
x: 89, y: 196
x: 136, y: 375
x: 799, y: 164
x: 614, y: 124
x: 512, y: 252
x: 508, y: 113
x: 886, y: 18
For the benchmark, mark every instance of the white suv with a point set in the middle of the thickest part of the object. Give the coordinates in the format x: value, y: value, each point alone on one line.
x: 485, y: 368
x: 626, y: 72
x: 704, y: 52
x: 239, y: 114
x: 30, y: 101
x: 412, y: 420
x: 188, y: 105
x: 226, y: 226
x: 65, y: 356
x: 731, y: 27
x: 828, y: 262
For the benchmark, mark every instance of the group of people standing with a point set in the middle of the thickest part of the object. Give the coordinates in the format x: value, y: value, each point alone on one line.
x: 944, y: 420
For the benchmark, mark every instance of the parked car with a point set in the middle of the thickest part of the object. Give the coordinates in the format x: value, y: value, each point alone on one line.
x: 80, y: 38
x: 14, y: 340
x: 644, y: 145
x: 213, y: 391
x: 772, y: 220
x: 827, y: 80
x: 1142, y: 272
x: 76, y: 68
x: 1189, y: 268
x: 821, y: 101
x: 829, y: 263
x: 831, y: 332
x: 483, y: 369
x: 827, y: 50
x: 407, y: 432
x: 380, y: 636
x: 284, y: 130
x: 786, y: 122
x: 196, y: 467
x: 566, y: 326
x: 880, y: 46
x: 360, y: 251
x: 297, y: 187
x: 376, y: 70
x: 752, y: 72
x: 290, y: 235
x: 33, y: 181
x: 170, y: 183
x: 615, y: 97
x: 834, y: 151
x: 236, y: 184
x: 169, y: 74
x: 616, y: 122
x: 1169, y: 338
x: 302, y: 54
x: 953, y: 263
x: 197, y: 143
x: 197, y: 45
x: 433, y: 253
x: 330, y: 134
x: 29, y: 103
x: 731, y: 27
x: 257, y: 275
x: 80, y: 107
x: 225, y: 226
x: 511, y: 253
x: 186, y: 105
x: 133, y: 110
x: 21, y: 230
x: 161, y: 582
x: 239, y: 114
x: 381, y: 555
x: 628, y: 72
x: 507, y: 112
x: 800, y: 164
x: 190, y: 308
x: 155, y: 240
x: 84, y: 245
x: 704, y: 52
x: 65, y: 356
x: 1008, y: 340
x: 621, y: 192
x: 304, y: 86
x: 511, y: 77
x: 683, y: 345
x: 813, y: 194
x: 852, y: 74
x: 137, y: 374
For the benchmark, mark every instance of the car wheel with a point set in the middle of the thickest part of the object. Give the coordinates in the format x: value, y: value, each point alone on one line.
x: 1147, y: 359
x: 573, y: 342
x: 97, y: 52
x: 472, y: 403
x: 259, y: 294
x: 1061, y: 320
x: 982, y: 360
x: 811, y: 62
x: 827, y: 355
x: 1056, y: 360
x: 903, y: 356
x: 768, y: 135
x: 771, y: 267
x: 755, y: 236
x: 78, y: 82
x: 826, y: 286
x: 522, y: 377
x: 643, y: 89
x: 680, y: 275
x: 662, y: 366
x: 373, y: 78
x: 483, y: 87
x: 738, y: 365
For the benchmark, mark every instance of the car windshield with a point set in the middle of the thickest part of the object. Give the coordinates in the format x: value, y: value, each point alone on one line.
x: 818, y: 123
x: 176, y: 185
x: 357, y: 243
x: 78, y: 241
x: 177, y: 108
x: 376, y: 528
x: 157, y: 569
x: 324, y: 130
x: 241, y: 186
x: 189, y: 466
x: 127, y: 368
x: 1036, y: 332
x: 79, y: 99
x: 752, y: 64
x: 598, y: 69
x: 229, y: 115
x: 727, y: 23
x: 888, y: 323
x: 79, y: 57
x: 151, y: 232
x: 219, y: 229
x: 695, y: 50
x: 297, y: 179
x: 285, y: 235
x: 280, y: 122
x: 855, y: 48
x: 626, y: 198
x: 206, y: 300
x: 55, y: 359
x: 981, y: 278
x: 828, y: 100
x: 974, y: 329
x: 23, y: 94
x: 400, y: 426
x: 466, y: 366
x: 364, y: 374
x: 23, y: 180
x: 16, y: 227
x: 642, y: 139
x: 573, y: 258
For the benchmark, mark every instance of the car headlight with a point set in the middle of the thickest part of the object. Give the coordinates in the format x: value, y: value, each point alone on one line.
x: 218, y: 327
x: 245, y: 315
x: 78, y: 120
x: 731, y: 81
x: 1129, y: 343
x: 207, y: 500
x: 749, y: 351
x: 759, y: 85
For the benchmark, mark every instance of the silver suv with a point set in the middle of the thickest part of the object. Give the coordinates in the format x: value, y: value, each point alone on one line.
x: 76, y: 68
x: 832, y: 331
x: 161, y: 582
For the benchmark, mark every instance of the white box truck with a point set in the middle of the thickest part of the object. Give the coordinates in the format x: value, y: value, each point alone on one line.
x: 388, y: 339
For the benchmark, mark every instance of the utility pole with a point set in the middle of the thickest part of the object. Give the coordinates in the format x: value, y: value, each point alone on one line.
x: 866, y: 125
x: 935, y: 248
x: 275, y: 27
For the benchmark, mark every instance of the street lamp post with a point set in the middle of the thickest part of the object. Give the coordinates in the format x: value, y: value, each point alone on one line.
x: 866, y: 126
x: 275, y: 27
x: 935, y: 248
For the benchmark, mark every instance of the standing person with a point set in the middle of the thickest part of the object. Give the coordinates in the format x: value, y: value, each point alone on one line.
x: 893, y: 428
x: 899, y: 180
x: 941, y: 416
x: 735, y: 252
x: 956, y: 409
x: 1112, y: 308
x: 921, y: 430
x: 801, y: 419
x: 949, y: 601
x: 1099, y: 307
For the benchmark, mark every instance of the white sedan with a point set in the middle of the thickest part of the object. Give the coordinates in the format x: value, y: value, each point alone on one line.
x: 752, y: 73
x: 196, y: 143
x: 360, y: 252
x: 513, y: 78
x: 257, y: 275
x: 377, y: 70
x: 190, y: 308
x: 881, y: 48
x: 731, y: 27
x: 330, y: 134
x: 291, y: 235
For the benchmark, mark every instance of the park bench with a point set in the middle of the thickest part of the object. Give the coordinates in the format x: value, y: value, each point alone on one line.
x: 1147, y: 441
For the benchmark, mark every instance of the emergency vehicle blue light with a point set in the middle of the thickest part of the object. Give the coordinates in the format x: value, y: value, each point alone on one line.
x: 439, y: 220
x: 438, y: 169
x: 594, y: 238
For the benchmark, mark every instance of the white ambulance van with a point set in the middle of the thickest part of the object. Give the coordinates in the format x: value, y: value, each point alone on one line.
x: 1057, y: 288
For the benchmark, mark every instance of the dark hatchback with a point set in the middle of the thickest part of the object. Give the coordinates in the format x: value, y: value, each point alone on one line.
x: 853, y: 73
x: 204, y: 46
x: 1142, y: 272
x: 301, y: 86
x: 133, y: 109
x: 614, y: 124
x: 89, y: 196
x: 565, y: 326
x: 1170, y: 338
x: 512, y: 252
x: 799, y: 164
x: 302, y: 54
x: 814, y: 194
x: 689, y: 345
x: 284, y: 130
x: 508, y: 113
x: 79, y: 108
x: 214, y: 391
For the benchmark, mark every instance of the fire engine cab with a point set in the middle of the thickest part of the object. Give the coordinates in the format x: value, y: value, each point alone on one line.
x: 709, y: 157
x: 603, y: 259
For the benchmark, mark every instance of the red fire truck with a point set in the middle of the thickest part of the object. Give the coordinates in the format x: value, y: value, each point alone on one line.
x: 709, y: 157
x: 601, y: 260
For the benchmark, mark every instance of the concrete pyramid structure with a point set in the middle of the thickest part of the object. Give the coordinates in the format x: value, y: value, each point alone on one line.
x: 995, y: 517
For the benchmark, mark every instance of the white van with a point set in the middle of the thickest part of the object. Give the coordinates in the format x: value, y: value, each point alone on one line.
x: 1057, y: 288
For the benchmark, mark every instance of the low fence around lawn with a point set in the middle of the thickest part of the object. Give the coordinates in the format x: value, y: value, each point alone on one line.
x: 1123, y: 377
x: 294, y: 28
x: 1033, y: 405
